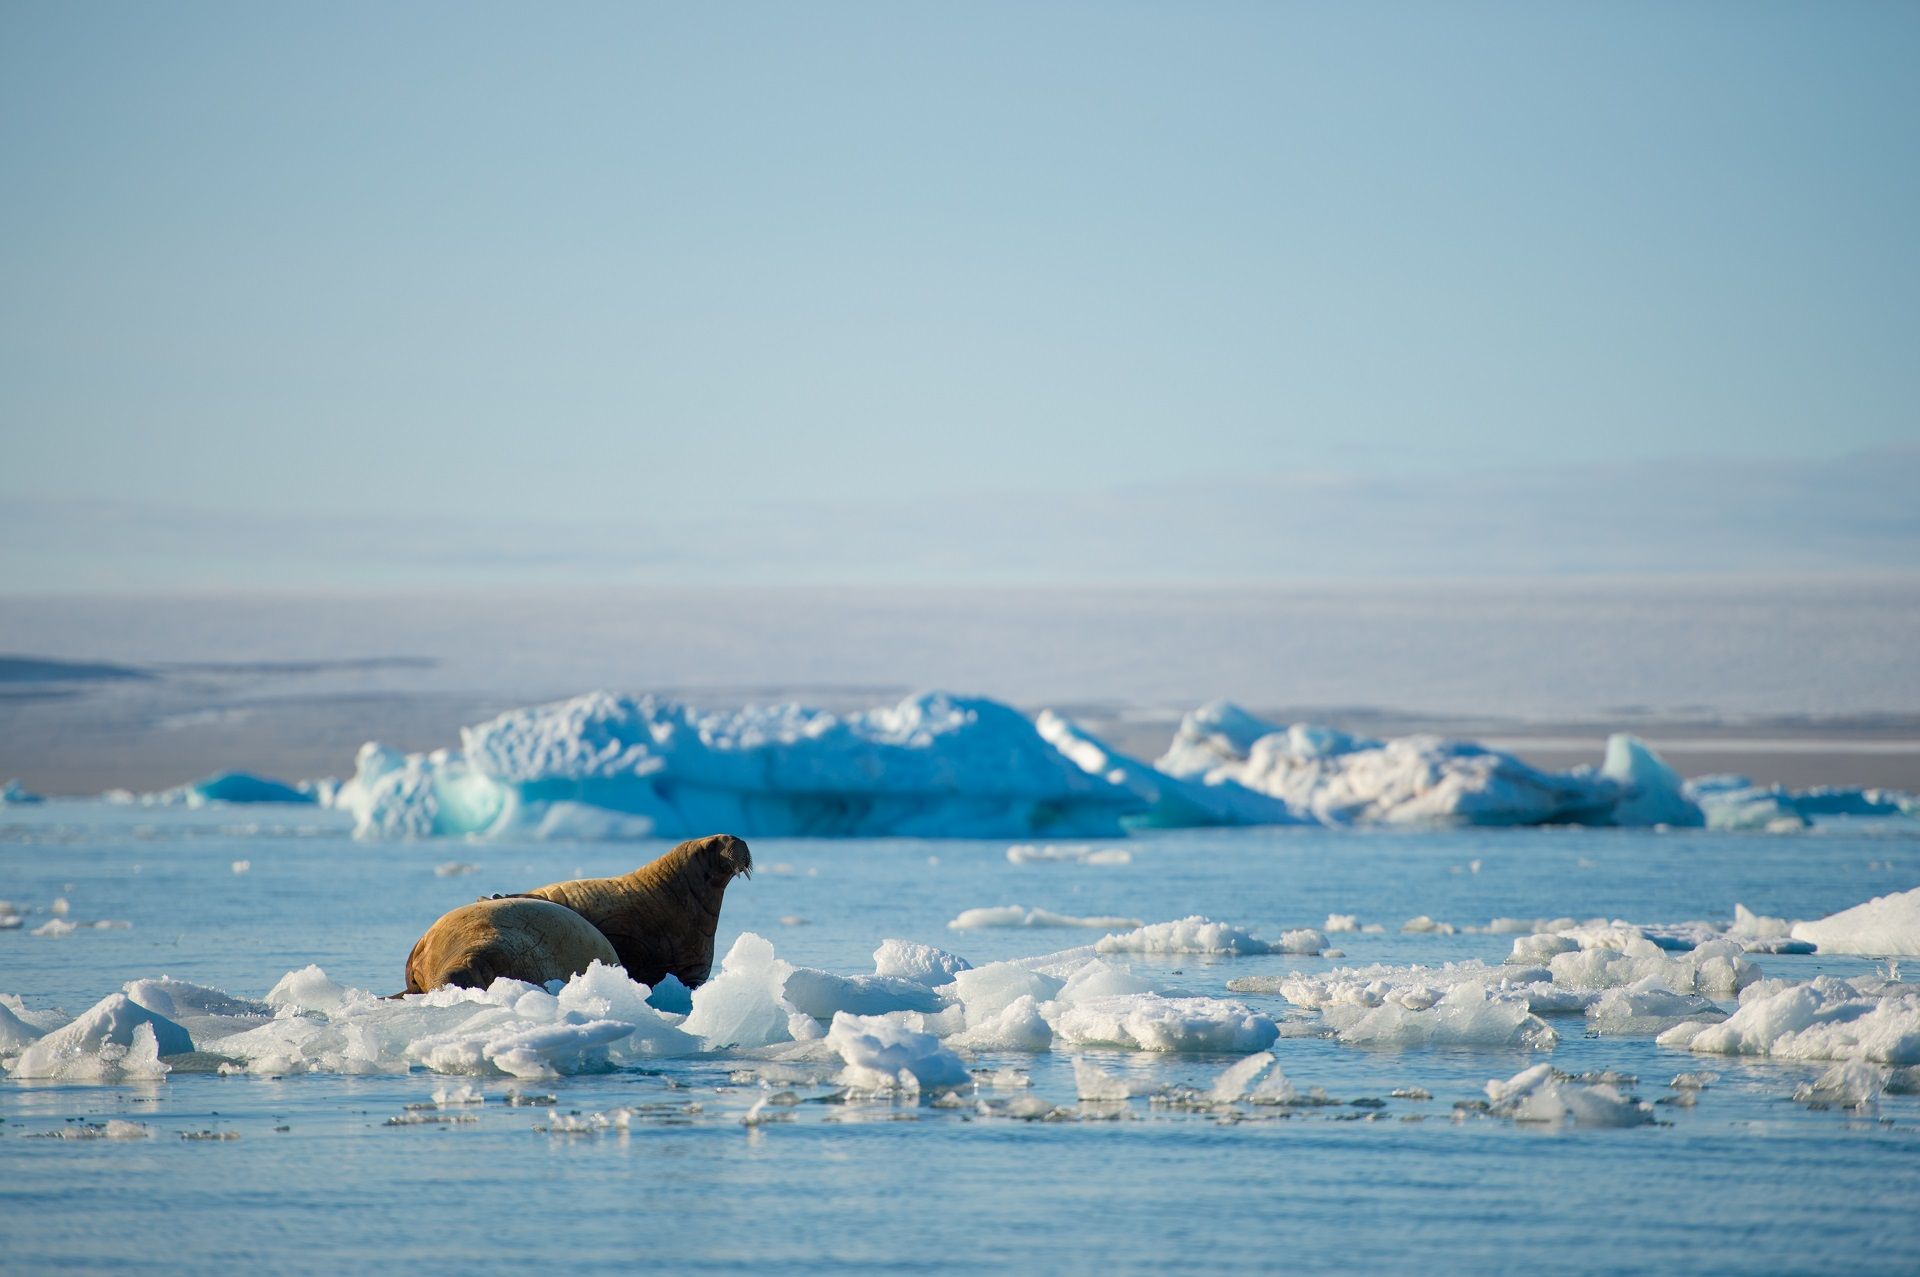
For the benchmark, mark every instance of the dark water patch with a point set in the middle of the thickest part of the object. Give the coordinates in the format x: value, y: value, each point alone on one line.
x: 47, y: 669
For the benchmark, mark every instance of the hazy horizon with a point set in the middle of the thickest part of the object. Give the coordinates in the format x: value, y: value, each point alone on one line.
x: 387, y: 296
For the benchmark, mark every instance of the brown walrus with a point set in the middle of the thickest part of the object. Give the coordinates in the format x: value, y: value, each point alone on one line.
x: 656, y: 921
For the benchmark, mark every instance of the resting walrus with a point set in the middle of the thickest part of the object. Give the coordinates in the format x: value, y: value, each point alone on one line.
x: 656, y: 921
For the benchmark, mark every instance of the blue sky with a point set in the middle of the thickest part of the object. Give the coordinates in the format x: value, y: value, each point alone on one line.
x: 362, y: 294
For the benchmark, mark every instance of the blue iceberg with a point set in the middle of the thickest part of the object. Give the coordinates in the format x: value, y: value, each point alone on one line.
x: 601, y: 765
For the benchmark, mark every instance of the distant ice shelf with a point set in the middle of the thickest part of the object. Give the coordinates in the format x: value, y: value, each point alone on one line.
x: 602, y: 766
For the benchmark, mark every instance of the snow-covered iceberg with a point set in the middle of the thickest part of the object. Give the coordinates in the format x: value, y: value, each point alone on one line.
x: 604, y: 766
x: 1170, y: 801
x: 1735, y: 802
x: 1337, y: 778
x: 933, y: 765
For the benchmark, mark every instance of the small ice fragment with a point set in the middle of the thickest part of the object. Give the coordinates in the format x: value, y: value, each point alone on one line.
x: 744, y: 1005
x: 1028, y: 854
x: 1539, y: 1094
x: 1853, y: 1084
x: 1092, y: 1082
x: 921, y: 963
x: 1196, y: 934
x: 1254, y: 1079
x: 115, y: 1039
x: 1016, y: 916
x: 881, y: 1055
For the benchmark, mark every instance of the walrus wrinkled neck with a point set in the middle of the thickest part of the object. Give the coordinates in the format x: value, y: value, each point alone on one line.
x: 682, y: 881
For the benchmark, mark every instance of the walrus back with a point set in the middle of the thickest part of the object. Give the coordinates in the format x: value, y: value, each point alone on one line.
x: 521, y: 938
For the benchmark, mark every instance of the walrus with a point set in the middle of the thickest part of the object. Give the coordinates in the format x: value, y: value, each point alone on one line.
x: 657, y: 921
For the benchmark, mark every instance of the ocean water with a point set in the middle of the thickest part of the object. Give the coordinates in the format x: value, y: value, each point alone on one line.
x: 316, y: 1180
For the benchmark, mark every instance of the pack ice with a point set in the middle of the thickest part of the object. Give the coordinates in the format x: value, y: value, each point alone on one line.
x: 901, y: 1026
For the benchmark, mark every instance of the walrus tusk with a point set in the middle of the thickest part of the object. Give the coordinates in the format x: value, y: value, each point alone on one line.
x: 657, y: 921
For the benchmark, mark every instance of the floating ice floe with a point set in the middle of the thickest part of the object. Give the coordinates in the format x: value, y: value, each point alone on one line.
x: 1151, y: 1022
x: 597, y: 1020
x: 921, y: 963
x: 16, y: 1033
x: 934, y: 765
x: 1540, y: 1094
x: 1735, y: 802
x: 1866, y: 1018
x: 745, y: 1004
x: 1646, y: 1008
x: 1196, y: 934
x: 115, y: 1040
x: 1886, y: 926
x: 1619, y: 980
x: 1091, y: 1082
x: 1028, y: 854
x: 882, y: 1054
x: 236, y: 787
x: 1715, y: 968
x: 1747, y: 933
x: 1467, y: 1014
x: 1853, y: 1084
x: 1413, y: 988
x: 1254, y: 1080
x: 61, y: 926
x: 760, y: 1001
x: 13, y: 794
x: 202, y: 1012
x: 1016, y: 916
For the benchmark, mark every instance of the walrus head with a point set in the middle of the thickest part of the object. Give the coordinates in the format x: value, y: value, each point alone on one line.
x: 722, y: 856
